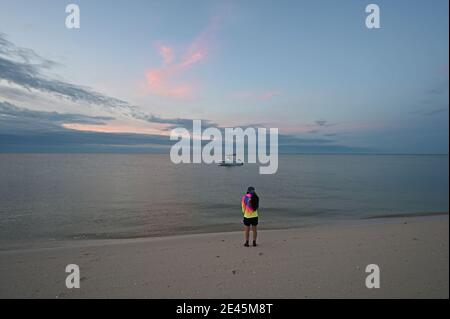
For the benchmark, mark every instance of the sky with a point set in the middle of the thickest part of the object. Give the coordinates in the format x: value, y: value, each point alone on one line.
x: 136, y: 69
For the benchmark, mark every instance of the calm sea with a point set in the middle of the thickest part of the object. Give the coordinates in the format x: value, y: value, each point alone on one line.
x: 53, y: 197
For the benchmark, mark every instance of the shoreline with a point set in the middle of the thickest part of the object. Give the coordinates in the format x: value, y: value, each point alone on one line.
x: 84, y: 242
x: 323, y: 261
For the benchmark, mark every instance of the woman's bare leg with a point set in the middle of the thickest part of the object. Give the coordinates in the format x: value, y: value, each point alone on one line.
x: 254, y: 233
x: 247, y: 233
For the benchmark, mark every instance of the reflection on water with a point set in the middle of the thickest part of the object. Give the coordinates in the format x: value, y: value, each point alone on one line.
x: 61, y: 196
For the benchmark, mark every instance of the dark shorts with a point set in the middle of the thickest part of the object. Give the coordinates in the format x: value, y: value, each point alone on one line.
x: 251, y: 221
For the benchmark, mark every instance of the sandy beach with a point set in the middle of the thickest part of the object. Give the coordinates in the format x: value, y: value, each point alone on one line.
x: 325, y: 261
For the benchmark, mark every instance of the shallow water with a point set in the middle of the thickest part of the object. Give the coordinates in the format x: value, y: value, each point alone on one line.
x: 69, y: 196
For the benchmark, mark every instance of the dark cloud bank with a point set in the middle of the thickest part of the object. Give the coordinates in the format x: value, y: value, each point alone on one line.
x: 24, y: 130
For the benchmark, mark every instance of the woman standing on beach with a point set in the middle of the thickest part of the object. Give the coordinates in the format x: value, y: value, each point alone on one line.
x: 250, y: 205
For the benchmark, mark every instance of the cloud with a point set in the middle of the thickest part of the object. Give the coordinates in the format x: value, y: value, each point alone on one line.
x: 429, y: 112
x: 15, y: 114
x: 435, y: 100
x: 30, y: 77
x: 25, y: 130
x: 439, y: 89
x: 286, y: 139
x: 331, y: 134
x: 171, y: 122
x: 166, y: 80
x: 66, y: 141
x: 320, y: 127
x: 25, y: 68
x: 16, y: 94
x: 166, y: 54
x: 182, y: 122
x: 161, y: 81
x: 324, y: 123
x: 10, y: 110
x: 8, y: 49
x: 321, y: 122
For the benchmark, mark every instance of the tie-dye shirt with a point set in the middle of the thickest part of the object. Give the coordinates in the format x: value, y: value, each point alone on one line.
x: 247, y: 209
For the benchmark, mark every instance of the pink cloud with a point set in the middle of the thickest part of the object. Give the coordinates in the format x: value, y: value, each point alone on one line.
x: 118, y: 127
x: 166, y: 54
x: 163, y: 81
x: 167, y: 80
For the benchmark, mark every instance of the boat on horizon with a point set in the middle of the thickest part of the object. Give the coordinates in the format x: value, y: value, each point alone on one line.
x: 230, y: 160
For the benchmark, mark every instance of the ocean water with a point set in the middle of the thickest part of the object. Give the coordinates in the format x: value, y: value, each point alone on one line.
x: 57, y: 197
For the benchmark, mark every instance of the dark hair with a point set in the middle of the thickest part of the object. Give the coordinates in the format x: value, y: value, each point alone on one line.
x: 250, y: 189
x: 254, y: 201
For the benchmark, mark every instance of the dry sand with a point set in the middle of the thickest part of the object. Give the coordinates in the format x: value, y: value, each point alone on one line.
x: 315, y: 262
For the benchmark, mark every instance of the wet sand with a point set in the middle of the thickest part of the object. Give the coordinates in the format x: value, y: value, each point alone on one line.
x: 325, y: 261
